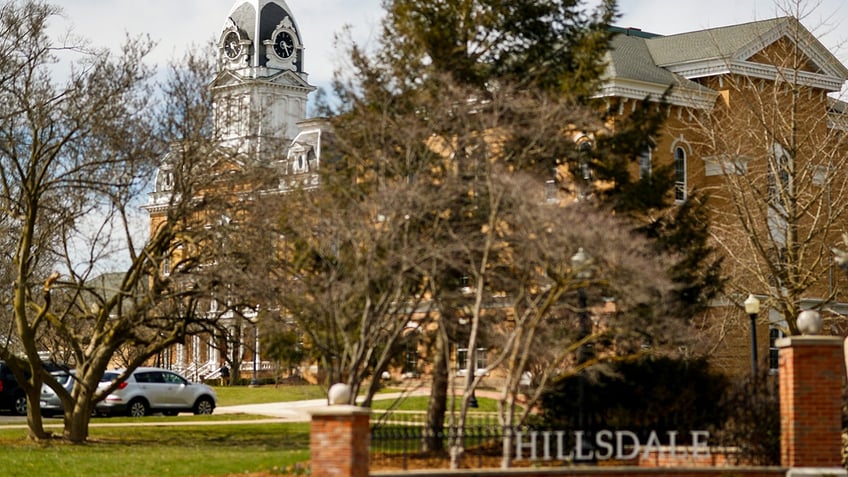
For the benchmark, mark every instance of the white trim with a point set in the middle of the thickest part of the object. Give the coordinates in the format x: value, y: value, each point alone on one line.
x: 721, y: 66
x: 796, y: 33
x: 639, y: 90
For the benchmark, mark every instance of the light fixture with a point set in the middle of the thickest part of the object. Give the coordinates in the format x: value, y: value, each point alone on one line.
x: 752, y: 308
x: 752, y: 305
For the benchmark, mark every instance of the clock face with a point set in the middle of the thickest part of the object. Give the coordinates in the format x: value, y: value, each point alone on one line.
x: 284, y: 44
x: 232, y: 45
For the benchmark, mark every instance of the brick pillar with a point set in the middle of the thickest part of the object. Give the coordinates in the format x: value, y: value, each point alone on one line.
x: 339, y: 441
x: 811, y: 375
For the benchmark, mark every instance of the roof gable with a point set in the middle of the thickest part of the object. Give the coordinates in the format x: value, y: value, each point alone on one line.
x: 750, y: 49
x: 715, y: 43
x: 631, y: 73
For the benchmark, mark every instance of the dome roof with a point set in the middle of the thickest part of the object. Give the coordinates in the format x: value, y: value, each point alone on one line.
x: 257, y: 20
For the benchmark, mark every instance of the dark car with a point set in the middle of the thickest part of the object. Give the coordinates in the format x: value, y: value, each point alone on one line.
x: 12, y: 396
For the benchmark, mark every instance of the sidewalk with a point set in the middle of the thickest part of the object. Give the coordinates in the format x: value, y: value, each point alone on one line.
x: 296, y: 411
x: 299, y: 411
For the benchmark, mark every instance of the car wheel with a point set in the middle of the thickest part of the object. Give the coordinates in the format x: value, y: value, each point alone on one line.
x: 204, y: 405
x: 19, y: 405
x: 137, y: 408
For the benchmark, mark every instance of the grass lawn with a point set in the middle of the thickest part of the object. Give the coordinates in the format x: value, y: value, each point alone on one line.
x: 170, y: 451
x: 419, y: 403
x: 190, y: 451
x: 238, y: 395
x: 144, y: 449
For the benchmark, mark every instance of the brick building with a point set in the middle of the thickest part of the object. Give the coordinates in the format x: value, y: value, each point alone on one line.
x: 720, y: 85
x: 752, y: 123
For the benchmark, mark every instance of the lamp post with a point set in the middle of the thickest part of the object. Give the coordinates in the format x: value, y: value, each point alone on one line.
x: 752, y: 308
x: 254, y: 381
x: 580, y: 264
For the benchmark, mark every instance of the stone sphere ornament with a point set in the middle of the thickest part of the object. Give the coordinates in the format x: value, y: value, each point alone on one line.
x: 339, y: 394
x: 809, y: 322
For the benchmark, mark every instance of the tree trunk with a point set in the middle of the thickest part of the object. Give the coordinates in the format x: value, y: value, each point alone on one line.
x: 508, y: 413
x: 76, y: 422
x: 373, y: 387
x: 34, y: 419
x: 437, y: 406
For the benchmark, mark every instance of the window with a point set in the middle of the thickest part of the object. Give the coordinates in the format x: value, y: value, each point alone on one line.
x: 462, y: 361
x: 300, y: 163
x: 779, y: 185
x: 149, y: 377
x: 779, y: 193
x: 645, y: 165
x: 551, y: 192
x: 679, y: 174
x: 584, y: 147
x: 410, y: 362
x: 172, y: 378
x: 774, y: 335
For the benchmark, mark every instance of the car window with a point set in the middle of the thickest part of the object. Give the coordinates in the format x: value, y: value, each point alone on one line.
x: 149, y: 377
x: 62, y: 378
x: 109, y: 377
x: 172, y: 378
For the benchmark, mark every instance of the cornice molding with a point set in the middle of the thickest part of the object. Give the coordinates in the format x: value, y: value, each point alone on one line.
x: 638, y: 90
x: 718, y: 67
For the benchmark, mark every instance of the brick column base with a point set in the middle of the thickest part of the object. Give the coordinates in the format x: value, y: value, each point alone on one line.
x: 811, y: 376
x: 339, y: 441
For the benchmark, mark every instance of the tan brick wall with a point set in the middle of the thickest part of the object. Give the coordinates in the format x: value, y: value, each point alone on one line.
x: 340, y: 442
x: 811, y: 377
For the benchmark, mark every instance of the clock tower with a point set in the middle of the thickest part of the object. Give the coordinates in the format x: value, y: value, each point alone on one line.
x: 260, y: 92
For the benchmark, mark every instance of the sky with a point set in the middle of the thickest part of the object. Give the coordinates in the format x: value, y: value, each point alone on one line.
x: 180, y: 24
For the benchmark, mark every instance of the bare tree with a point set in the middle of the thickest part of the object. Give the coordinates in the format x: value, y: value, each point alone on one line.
x: 75, y: 159
x: 776, y: 144
x: 485, y: 121
x: 347, y: 271
x: 509, y: 238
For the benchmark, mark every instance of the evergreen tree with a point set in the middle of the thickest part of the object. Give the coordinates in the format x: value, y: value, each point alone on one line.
x: 461, y: 92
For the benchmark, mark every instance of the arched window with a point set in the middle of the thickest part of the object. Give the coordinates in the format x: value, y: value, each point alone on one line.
x: 679, y: 174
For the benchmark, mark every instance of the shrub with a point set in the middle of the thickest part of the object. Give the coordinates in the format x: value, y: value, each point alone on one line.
x: 653, y: 394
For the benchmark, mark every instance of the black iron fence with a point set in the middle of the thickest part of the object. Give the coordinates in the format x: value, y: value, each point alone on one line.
x: 402, y: 440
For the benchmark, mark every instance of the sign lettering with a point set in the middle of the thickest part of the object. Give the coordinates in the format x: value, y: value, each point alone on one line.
x: 622, y: 445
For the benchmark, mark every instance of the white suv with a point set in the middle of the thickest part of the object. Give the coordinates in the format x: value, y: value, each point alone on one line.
x: 149, y: 390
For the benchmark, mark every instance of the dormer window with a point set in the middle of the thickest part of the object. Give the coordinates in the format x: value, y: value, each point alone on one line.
x: 300, y: 160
